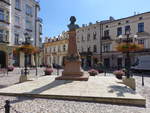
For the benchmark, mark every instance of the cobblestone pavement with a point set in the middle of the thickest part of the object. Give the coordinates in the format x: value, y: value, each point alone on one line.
x: 37, y: 105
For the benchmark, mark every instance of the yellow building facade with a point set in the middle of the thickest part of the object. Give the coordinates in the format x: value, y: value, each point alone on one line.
x: 55, y: 51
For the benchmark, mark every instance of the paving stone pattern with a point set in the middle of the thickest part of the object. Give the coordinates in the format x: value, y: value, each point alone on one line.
x: 38, y: 105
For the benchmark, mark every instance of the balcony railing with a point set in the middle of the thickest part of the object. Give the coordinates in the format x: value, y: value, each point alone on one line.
x: 39, y: 19
x: 3, y: 38
x: 106, y: 38
x: 6, y: 1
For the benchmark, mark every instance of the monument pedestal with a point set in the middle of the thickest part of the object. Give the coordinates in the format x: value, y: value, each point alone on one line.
x: 72, y: 69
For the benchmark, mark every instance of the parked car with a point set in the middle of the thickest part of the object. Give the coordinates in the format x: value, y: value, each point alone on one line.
x: 57, y: 66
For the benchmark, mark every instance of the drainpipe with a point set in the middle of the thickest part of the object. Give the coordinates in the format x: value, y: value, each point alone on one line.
x: 36, y: 6
x: 101, y: 34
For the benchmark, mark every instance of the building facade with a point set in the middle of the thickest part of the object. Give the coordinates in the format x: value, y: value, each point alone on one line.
x: 88, y: 44
x: 102, y: 47
x: 55, y: 50
x: 5, y: 46
x: 140, y: 34
x: 20, y: 17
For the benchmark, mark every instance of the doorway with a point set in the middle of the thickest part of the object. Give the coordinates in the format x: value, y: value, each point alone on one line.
x: 2, y: 59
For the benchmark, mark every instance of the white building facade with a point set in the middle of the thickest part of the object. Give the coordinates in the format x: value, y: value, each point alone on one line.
x: 88, y: 38
x: 108, y: 37
x: 17, y: 18
x: 5, y: 46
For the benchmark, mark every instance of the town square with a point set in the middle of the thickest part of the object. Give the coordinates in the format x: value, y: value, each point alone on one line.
x: 55, y: 57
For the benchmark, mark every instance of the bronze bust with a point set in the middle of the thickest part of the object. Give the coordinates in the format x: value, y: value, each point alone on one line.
x: 72, y: 26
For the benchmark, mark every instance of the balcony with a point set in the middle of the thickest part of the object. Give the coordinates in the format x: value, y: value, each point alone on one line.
x: 105, y: 38
x: 6, y: 1
x: 40, y: 29
x: 86, y: 53
x: 3, y: 39
x: 124, y: 40
x: 39, y: 20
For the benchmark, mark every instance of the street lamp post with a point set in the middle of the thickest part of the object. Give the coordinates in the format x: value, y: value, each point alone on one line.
x: 128, y: 60
x: 27, y: 42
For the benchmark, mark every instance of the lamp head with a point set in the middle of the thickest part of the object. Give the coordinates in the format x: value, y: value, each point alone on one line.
x: 135, y: 36
x: 120, y: 36
x: 31, y: 39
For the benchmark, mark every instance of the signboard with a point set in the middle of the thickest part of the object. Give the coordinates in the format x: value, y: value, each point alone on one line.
x: 143, y: 63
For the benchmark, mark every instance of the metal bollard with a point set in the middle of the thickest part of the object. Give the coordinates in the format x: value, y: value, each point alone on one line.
x: 57, y: 71
x: 7, y: 106
x: 142, y: 80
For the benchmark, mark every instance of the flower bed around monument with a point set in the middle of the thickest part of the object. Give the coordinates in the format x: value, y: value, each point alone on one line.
x: 93, y: 72
x: 10, y: 68
x: 119, y: 73
x: 48, y: 71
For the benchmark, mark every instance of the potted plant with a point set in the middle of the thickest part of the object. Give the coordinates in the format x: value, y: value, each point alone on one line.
x: 131, y: 47
x: 48, y: 71
x: 10, y: 68
x: 119, y: 74
x: 93, y: 72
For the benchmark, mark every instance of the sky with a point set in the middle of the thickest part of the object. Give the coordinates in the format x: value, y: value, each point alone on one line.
x: 56, y: 13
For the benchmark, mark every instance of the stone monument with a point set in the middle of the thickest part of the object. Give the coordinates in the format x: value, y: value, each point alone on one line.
x: 72, y: 69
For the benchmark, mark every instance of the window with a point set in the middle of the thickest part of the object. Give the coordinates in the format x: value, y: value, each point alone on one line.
x: 17, y: 4
x: 17, y: 20
x: 64, y: 47
x: 82, y: 38
x: 141, y: 27
x: 88, y: 37
x: 58, y: 48
x: 7, y: 16
x: 7, y: 35
x: 94, y: 35
x: 95, y: 48
x: 28, y: 24
x: 16, y: 39
x: 1, y: 35
x: 28, y: 10
x: 106, y: 47
x: 140, y: 18
x: 127, y: 28
x: 54, y: 50
x: 2, y: 16
x: 78, y: 40
x: 119, y: 31
x: 82, y: 49
x: 106, y: 33
x: 89, y: 49
x: 49, y: 49
x: 127, y: 21
x: 45, y: 50
x: 119, y: 23
x: 141, y: 41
